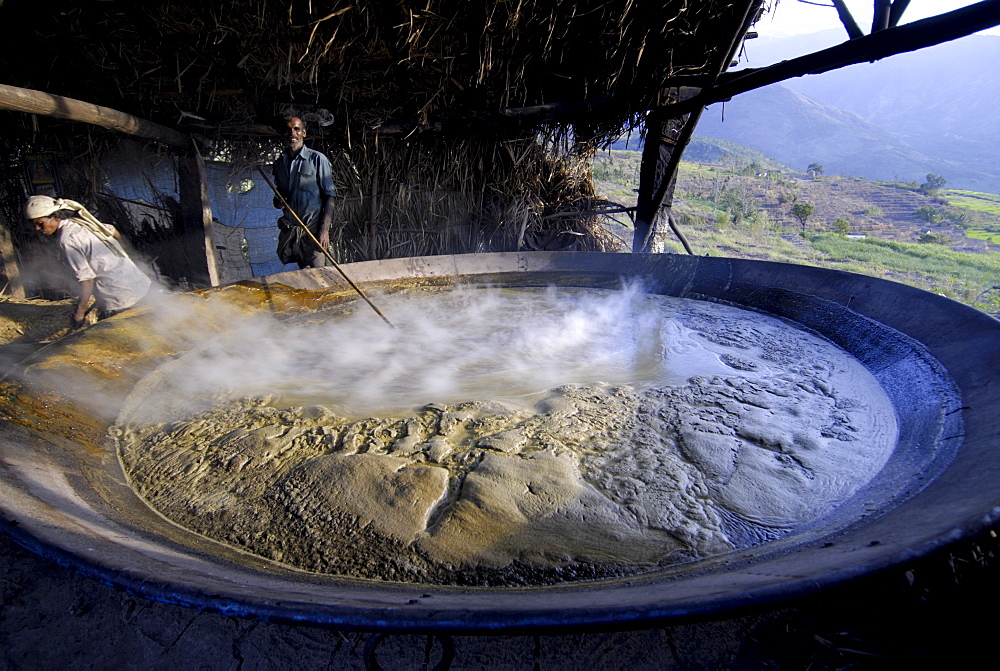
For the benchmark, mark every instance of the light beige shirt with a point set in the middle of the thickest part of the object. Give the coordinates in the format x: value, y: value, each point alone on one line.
x: 118, y: 282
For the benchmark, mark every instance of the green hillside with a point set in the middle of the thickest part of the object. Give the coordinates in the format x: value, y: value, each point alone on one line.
x: 743, y: 205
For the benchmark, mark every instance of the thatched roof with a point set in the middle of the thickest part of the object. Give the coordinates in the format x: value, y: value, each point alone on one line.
x: 517, y: 94
x: 369, y: 64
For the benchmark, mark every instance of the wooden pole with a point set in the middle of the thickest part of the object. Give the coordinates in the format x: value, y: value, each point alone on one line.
x: 655, y: 175
x: 896, y: 12
x: 8, y: 257
x: 667, y: 135
x: 195, y: 234
x: 36, y: 102
x: 853, y: 29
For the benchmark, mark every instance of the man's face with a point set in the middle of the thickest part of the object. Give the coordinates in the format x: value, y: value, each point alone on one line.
x: 46, y: 225
x: 295, y: 135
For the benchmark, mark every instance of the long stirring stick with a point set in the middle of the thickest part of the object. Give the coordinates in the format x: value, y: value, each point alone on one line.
x: 322, y: 249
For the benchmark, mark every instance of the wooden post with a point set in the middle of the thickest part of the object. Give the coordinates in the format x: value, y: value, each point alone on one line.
x: 373, y: 214
x: 661, y: 136
x: 8, y: 257
x: 666, y: 138
x: 195, y: 234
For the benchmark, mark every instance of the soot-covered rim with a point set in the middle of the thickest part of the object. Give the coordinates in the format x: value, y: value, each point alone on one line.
x: 937, y: 358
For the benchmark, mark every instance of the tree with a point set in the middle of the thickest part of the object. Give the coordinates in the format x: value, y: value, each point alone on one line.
x: 930, y: 214
x: 933, y: 184
x: 802, y: 211
x: 842, y: 226
x: 737, y: 198
x: 815, y: 169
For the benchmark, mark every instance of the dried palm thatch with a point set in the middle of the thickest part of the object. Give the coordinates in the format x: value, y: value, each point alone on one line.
x: 437, y: 197
x: 518, y: 94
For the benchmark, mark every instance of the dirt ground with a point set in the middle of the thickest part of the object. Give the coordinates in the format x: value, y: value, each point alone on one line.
x: 937, y: 610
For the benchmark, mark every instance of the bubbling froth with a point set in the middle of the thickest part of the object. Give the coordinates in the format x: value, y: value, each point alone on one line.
x: 505, y: 437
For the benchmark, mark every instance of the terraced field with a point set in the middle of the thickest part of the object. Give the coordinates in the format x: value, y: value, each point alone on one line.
x: 875, y: 209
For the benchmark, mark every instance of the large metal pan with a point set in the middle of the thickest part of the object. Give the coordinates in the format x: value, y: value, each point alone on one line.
x: 64, y: 495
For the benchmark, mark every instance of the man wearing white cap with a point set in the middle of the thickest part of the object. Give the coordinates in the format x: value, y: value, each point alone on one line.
x: 94, y: 252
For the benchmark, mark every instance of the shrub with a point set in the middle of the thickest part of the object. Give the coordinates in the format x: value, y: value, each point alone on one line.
x: 787, y: 197
x: 930, y: 214
x: 934, y: 239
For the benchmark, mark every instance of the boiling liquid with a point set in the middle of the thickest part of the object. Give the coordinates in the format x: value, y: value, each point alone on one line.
x: 514, y: 435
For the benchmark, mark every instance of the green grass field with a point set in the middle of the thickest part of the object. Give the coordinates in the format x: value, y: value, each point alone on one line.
x: 973, y: 200
x: 959, y: 275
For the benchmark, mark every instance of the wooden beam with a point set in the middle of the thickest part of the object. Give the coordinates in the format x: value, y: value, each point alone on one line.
x: 667, y: 135
x: 599, y: 106
x: 880, y: 19
x: 30, y: 101
x: 661, y: 153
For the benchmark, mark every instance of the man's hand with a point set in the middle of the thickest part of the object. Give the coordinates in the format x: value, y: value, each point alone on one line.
x: 326, y: 218
x: 86, y: 293
x: 77, y: 320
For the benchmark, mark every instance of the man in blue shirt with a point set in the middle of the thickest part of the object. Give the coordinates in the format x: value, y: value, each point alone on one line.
x: 304, y: 179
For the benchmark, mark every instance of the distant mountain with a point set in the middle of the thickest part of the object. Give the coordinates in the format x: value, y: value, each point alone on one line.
x: 796, y: 130
x: 947, y: 91
x: 932, y: 110
x: 714, y: 150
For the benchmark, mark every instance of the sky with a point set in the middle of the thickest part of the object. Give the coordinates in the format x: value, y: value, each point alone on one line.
x: 791, y: 17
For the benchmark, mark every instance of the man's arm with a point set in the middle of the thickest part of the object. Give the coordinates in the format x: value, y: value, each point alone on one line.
x: 86, y: 293
x: 324, y: 179
x: 276, y: 177
x: 78, y: 260
x: 325, y: 218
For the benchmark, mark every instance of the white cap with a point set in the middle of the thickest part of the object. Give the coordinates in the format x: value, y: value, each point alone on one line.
x: 42, y: 206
